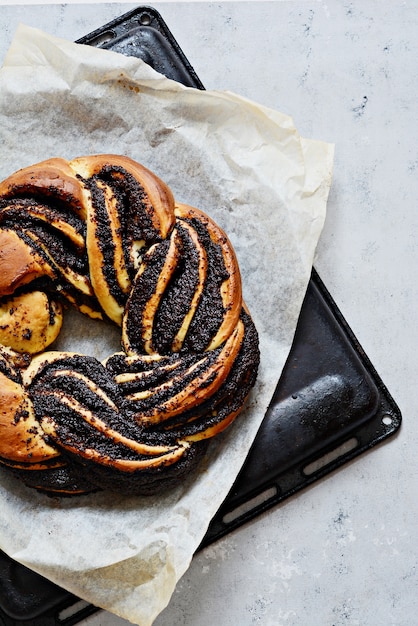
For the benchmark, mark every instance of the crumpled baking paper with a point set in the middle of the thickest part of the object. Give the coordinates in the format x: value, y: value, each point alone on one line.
x: 242, y: 163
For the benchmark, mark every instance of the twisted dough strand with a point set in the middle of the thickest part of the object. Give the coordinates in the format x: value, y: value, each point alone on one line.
x: 106, y: 235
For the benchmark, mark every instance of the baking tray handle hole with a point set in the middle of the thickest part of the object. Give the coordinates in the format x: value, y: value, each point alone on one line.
x: 250, y: 505
x: 102, y: 39
x: 387, y: 420
x: 76, y: 612
x: 330, y: 457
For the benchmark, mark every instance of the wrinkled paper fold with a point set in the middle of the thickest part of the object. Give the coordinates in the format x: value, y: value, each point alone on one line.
x: 247, y: 167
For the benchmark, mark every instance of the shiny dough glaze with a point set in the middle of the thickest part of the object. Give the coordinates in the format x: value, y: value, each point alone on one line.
x: 106, y: 235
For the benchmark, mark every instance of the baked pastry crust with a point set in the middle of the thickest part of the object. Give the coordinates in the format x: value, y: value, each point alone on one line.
x: 106, y: 235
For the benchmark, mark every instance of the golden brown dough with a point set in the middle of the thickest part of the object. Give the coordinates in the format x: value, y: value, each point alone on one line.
x: 22, y: 439
x: 29, y: 322
x: 19, y: 264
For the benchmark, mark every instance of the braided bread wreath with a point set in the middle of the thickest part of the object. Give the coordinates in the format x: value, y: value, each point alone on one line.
x: 106, y: 235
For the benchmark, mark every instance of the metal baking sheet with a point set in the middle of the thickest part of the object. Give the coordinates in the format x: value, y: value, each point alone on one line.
x: 329, y: 406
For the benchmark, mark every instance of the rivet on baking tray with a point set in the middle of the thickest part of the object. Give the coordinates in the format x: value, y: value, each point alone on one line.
x: 145, y: 19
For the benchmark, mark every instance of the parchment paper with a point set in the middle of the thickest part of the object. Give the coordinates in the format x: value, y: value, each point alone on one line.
x: 265, y: 185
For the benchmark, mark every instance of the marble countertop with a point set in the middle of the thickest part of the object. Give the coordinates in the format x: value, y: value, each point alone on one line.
x: 343, y: 552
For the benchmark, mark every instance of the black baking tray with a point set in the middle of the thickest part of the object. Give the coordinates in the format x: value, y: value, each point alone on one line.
x: 329, y: 405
